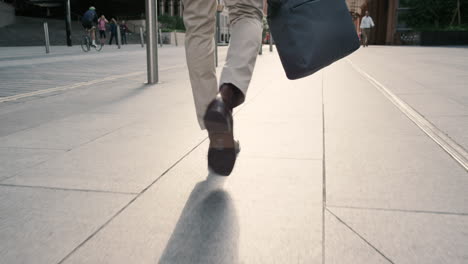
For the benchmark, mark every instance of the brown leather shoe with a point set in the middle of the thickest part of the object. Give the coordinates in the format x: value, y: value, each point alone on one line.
x: 223, y: 148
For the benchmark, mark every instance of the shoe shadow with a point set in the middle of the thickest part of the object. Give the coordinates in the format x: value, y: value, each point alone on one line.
x: 208, y: 228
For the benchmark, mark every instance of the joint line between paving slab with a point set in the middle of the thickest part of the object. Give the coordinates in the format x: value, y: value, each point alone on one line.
x: 361, y: 237
x: 65, y: 151
x: 324, y: 178
x: 100, y: 136
x: 452, y: 148
x: 398, y: 210
x: 32, y: 148
x: 63, y: 189
x: 130, y: 203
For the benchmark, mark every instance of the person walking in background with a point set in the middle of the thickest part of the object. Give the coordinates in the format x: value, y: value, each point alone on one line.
x: 214, y: 102
x: 123, y: 32
x: 113, y: 31
x: 366, y: 24
x: 102, y: 22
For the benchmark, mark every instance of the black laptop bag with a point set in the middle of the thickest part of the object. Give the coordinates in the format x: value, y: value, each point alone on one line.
x: 311, y: 34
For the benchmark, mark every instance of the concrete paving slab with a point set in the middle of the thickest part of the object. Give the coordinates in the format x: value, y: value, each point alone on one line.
x: 13, y: 160
x: 273, y: 98
x: 35, y: 73
x: 354, y: 106
x: 262, y: 213
x: 164, y: 111
x: 270, y: 209
x: 33, y: 116
x: 212, y: 219
x: 174, y: 94
x: 31, y: 112
x: 342, y: 245
x: 281, y: 113
x: 384, y: 170
x: 125, y: 161
x: 278, y: 139
x: 432, y: 105
x: 42, y: 226
x: 411, y: 237
x: 129, y: 159
x: 455, y: 126
x: 431, y: 79
x: 67, y: 133
x: 389, y: 174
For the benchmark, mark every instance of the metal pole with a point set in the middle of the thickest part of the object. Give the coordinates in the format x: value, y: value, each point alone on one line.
x: 260, y: 51
x: 175, y: 38
x: 217, y: 34
x: 152, y: 41
x: 142, y: 39
x: 119, y: 37
x: 216, y: 51
x: 271, y: 41
x: 160, y: 38
x: 68, y: 22
x: 46, y: 37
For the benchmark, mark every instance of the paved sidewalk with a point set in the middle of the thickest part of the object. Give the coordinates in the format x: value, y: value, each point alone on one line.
x: 29, y: 69
x: 330, y: 171
x: 432, y: 80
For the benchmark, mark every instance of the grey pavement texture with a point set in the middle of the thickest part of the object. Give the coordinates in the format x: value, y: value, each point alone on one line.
x: 434, y: 81
x: 330, y: 170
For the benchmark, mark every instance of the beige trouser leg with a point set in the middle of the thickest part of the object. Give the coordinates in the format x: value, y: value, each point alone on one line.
x: 366, y: 34
x: 246, y: 30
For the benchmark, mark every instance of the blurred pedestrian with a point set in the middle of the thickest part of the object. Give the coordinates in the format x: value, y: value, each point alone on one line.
x: 366, y: 24
x: 102, y: 22
x: 113, y: 31
x: 123, y: 31
x: 214, y: 102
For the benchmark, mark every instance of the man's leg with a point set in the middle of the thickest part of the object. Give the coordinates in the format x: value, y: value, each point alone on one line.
x: 246, y: 28
x: 367, y: 31
x: 93, y: 34
x: 246, y: 36
x: 364, y: 37
x: 200, y: 22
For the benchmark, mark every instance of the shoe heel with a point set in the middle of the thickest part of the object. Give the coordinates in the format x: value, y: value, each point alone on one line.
x: 215, y: 122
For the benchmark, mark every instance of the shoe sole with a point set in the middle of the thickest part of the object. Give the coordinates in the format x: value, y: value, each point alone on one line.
x: 222, y: 151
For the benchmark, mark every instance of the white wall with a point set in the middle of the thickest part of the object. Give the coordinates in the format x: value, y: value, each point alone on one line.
x: 7, y: 14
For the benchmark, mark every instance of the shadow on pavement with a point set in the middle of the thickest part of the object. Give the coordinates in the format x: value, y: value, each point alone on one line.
x: 208, y: 228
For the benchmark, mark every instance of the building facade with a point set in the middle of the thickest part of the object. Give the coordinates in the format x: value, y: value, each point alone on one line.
x: 385, y: 15
x: 170, y: 7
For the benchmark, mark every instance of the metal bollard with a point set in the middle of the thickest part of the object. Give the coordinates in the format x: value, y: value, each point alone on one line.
x: 68, y: 22
x: 119, y: 37
x: 142, y: 39
x: 152, y: 41
x: 175, y: 38
x: 216, y: 50
x: 160, y: 38
x: 260, y: 50
x: 46, y: 37
x: 216, y: 38
x: 271, y: 42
